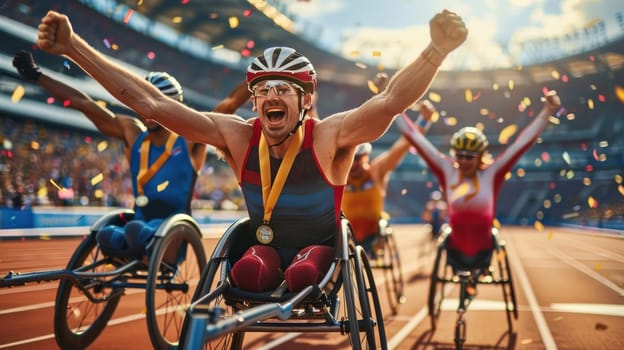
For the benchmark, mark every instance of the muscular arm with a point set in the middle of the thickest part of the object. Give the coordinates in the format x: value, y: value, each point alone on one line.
x: 114, y: 125
x: 56, y: 36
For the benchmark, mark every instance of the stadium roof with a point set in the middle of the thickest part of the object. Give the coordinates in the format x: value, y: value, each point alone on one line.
x: 239, y: 26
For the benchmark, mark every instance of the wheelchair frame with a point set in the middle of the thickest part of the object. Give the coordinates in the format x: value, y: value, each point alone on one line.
x: 444, y: 272
x: 388, y: 259
x: 92, y: 284
x: 221, y: 314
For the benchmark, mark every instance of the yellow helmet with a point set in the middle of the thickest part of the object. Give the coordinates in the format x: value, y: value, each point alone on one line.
x: 469, y: 139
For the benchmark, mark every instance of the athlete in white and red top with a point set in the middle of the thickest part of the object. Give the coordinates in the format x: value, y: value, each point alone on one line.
x: 471, y: 187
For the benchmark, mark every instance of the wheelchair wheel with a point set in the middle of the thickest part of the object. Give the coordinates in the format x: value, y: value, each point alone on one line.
x: 393, y: 273
x: 509, y: 293
x: 175, y: 267
x: 372, y: 325
x: 206, y: 297
x: 78, y: 320
x: 436, y: 287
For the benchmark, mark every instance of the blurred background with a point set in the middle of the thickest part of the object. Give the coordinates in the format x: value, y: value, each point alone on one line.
x: 56, y: 169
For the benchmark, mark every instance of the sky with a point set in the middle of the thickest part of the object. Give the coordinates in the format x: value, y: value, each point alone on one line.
x: 391, y: 33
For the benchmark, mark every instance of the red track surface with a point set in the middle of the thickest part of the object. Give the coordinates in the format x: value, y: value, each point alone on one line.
x: 569, y: 284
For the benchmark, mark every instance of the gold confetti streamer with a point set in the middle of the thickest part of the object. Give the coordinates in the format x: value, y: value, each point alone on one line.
x: 468, y: 95
x: 97, y: 179
x: 161, y: 187
x: 538, y: 226
x: 619, y: 93
x: 18, y: 93
x: 372, y: 87
x: 507, y: 133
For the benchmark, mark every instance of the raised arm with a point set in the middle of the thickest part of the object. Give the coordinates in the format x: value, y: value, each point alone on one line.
x: 107, y: 122
x: 529, y: 134
x: 387, y: 161
x: 408, y: 85
x: 56, y: 36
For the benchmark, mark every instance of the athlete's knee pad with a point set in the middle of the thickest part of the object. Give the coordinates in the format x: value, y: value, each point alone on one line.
x: 111, y: 238
x: 308, y: 267
x: 257, y: 270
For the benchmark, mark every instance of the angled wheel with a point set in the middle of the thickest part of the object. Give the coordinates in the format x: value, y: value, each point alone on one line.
x: 175, y: 266
x: 208, y: 296
x: 83, y: 307
x: 509, y: 293
x: 436, y: 287
x: 393, y: 273
x: 372, y: 330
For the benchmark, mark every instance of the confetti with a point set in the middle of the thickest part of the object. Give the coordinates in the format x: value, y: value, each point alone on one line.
x: 566, y: 158
x: 468, y: 95
x: 619, y: 93
x: 233, y: 21
x: 592, y: 202
x: 434, y: 97
x: 97, y: 179
x: 538, y: 226
x: 162, y: 186
x: 403, y: 191
x: 621, y: 189
x: 128, y: 16
x: 550, y: 235
x: 507, y: 133
x: 372, y: 87
x: 18, y: 93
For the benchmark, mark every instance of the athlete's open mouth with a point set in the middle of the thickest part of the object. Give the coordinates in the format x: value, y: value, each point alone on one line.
x: 275, y: 114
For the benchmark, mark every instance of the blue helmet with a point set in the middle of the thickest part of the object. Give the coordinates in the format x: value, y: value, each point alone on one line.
x: 167, y: 84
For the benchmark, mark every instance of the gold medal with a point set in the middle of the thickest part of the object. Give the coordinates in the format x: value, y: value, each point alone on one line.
x: 141, y: 200
x: 264, y: 234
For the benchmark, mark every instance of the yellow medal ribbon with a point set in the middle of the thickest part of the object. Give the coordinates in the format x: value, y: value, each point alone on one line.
x: 270, y: 193
x: 145, y: 173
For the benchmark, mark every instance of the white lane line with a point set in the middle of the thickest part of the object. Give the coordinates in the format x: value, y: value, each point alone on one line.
x: 542, y: 326
x: 279, y: 341
x: 586, y: 270
x: 592, y: 309
x: 408, y: 328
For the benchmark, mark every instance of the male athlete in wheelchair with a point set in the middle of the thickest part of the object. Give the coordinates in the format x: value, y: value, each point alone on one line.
x: 469, y: 244
x: 157, y: 245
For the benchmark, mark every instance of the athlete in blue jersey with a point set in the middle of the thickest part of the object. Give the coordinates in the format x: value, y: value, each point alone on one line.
x: 292, y: 169
x: 163, y: 165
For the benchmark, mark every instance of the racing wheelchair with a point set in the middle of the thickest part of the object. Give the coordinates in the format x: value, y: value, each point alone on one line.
x: 387, y: 258
x: 221, y: 314
x: 93, y: 283
x: 451, y: 267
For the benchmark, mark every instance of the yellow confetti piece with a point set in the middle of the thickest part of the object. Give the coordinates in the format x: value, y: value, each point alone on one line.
x: 176, y: 19
x: 98, y: 193
x: 550, y: 235
x: 97, y: 179
x: 510, y: 84
x: 372, y: 87
x: 598, y: 266
x: 102, y: 146
x: 58, y: 187
x: 233, y: 21
x: 376, y: 53
x: 538, y: 226
x: 460, y: 191
x: 618, y: 179
x: 434, y: 97
x: 450, y: 121
x: 162, y: 186
x: 18, y: 93
x: 496, y: 223
x: 507, y: 133
x: 45, y: 237
x: 592, y: 202
x: 590, y: 103
x: 619, y: 93
x: 621, y: 189
x: 468, y: 95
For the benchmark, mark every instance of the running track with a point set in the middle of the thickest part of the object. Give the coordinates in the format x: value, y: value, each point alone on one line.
x: 569, y: 284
